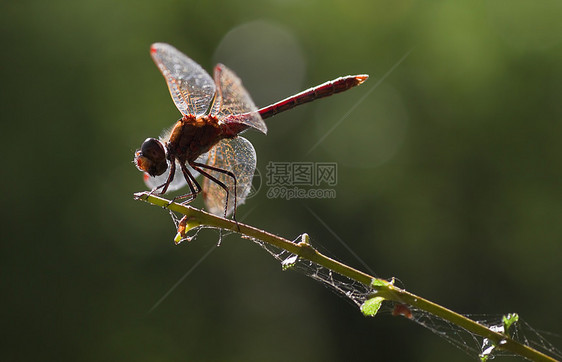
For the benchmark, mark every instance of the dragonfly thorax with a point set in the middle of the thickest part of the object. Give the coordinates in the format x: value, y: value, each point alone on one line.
x: 193, y: 136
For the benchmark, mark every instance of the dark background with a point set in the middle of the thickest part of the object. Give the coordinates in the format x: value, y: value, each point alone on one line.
x: 448, y: 176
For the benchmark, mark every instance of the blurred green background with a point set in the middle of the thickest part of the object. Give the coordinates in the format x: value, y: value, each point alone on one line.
x: 449, y: 176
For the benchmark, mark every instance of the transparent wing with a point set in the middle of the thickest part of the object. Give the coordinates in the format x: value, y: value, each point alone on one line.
x: 238, y: 156
x: 233, y: 103
x: 192, y: 89
x: 177, y: 183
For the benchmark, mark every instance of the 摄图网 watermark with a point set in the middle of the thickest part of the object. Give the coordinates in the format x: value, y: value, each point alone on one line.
x: 301, y: 180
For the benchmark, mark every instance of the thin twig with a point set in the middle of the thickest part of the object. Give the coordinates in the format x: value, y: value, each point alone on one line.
x: 380, y: 287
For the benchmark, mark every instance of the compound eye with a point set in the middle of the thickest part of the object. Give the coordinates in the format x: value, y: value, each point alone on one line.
x: 151, y: 158
x: 153, y: 149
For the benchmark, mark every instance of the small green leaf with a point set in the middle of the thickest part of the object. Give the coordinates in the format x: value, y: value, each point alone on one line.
x: 509, y: 320
x: 371, y: 306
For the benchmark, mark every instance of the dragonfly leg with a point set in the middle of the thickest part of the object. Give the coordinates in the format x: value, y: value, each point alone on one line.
x: 194, y: 187
x: 197, y: 166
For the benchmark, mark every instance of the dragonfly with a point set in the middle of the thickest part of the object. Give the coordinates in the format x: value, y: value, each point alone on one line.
x: 205, y: 140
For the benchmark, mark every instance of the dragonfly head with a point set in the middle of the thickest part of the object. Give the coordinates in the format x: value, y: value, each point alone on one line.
x: 151, y: 158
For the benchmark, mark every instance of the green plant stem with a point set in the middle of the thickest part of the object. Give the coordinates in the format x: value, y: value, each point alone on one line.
x: 380, y: 287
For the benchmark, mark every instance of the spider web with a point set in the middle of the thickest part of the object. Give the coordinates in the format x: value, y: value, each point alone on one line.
x: 357, y: 292
x: 474, y: 345
x: 483, y: 348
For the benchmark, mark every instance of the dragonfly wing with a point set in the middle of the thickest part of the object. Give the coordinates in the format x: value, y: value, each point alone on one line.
x: 238, y: 156
x: 177, y: 183
x: 233, y: 103
x: 192, y: 89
